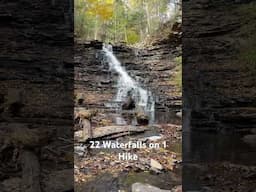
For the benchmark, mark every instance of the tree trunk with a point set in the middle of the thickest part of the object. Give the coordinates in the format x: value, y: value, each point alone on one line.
x: 125, y: 34
x: 96, y: 29
x: 115, y: 28
x: 148, y: 19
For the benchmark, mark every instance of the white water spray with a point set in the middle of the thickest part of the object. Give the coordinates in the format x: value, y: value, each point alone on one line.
x: 143, y: 98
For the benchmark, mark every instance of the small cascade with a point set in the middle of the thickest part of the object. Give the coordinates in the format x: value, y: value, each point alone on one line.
x: 127, y: 86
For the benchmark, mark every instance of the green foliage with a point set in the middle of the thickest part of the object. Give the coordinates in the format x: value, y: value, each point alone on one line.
x: 127, y: 21
x: 132, y: 37
x: 178, y: 60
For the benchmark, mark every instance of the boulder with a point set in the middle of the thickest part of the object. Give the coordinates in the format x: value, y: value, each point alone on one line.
x: 140, y: 187
x: 142, y: 118
x: 129, y: 104
x: 177, y: 189
x: 155, y: 165
x: 179, y: 114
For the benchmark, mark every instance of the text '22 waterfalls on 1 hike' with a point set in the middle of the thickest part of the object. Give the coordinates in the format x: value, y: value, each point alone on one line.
x: 127, y: 95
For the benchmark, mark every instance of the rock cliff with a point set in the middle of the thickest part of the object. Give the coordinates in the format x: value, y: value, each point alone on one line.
x: 218, y: 67
x: 36, y: 91
x: 154, y: 67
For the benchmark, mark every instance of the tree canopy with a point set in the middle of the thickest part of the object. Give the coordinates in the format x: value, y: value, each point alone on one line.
x: 128, y: 21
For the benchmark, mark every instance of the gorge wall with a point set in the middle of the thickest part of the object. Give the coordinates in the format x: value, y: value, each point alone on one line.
x: 218, y: 65
x: 219, y: 92
x: 36, y: 95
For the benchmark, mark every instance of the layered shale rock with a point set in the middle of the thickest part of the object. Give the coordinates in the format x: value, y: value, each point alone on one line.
x: 153, y: 66
x: 36, y: 92
x: 218, y: 66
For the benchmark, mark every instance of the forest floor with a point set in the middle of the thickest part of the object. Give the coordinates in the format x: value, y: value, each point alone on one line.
x: 162, y: 163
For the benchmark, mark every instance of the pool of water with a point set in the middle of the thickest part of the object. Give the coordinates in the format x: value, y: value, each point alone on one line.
x: 203, y: 147
x: 203, y: 150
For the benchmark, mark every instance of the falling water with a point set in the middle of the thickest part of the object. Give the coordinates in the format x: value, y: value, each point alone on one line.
x: 125, y: 85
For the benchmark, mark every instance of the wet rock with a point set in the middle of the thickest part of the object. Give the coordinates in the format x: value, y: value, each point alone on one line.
x: 96, y: 44
x: 129, y: 104
x: 105, y: 183
x: 140, y: 187
x: 142, y: 118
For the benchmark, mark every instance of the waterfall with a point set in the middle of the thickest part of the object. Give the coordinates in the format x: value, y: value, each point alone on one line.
x: 126, y: 85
